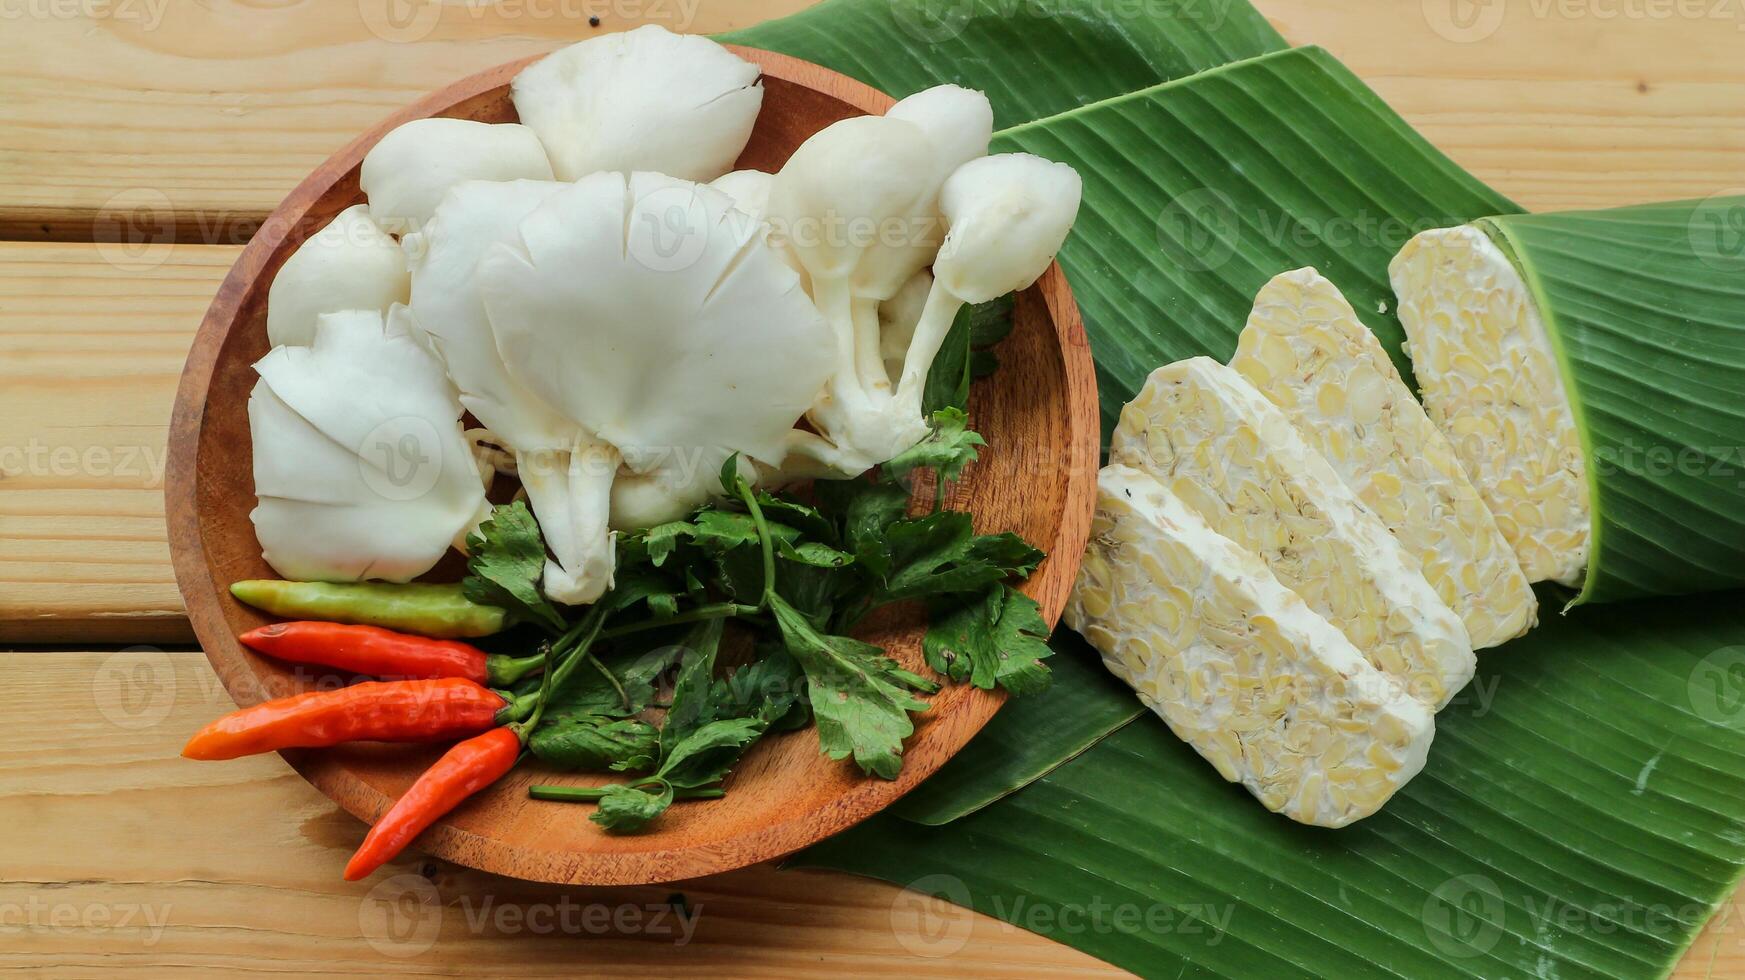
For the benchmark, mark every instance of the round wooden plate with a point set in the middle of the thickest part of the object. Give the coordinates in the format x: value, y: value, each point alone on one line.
x: 1037, y: 477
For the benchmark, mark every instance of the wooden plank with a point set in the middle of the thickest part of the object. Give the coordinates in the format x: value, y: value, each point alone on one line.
x: 92, y: 340
x: 121, y: 855
x: 149, y: 119
x: 118, y: 853
x: 1559, y: 104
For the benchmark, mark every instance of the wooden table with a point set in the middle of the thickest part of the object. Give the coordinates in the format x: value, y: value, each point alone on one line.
x: 126, y: 124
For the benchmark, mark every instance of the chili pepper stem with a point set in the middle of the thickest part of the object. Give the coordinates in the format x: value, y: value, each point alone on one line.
x: 508, y: 671
x: 592, y: 794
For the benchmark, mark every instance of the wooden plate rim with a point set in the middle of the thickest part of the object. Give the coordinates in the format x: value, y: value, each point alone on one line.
x: 204, y: 599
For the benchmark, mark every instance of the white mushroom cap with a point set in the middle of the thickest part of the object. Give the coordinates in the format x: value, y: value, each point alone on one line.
x: 360, y: 465
x: 351, y: 264
x: 646, y: 99
x: 1009, y: 215
x: 408, y: 171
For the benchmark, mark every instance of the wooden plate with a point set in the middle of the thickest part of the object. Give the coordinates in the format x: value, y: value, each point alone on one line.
x: 1037, y: 478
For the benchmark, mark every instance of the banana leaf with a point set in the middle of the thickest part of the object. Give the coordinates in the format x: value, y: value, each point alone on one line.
x: 1579, y: 817
x: 1646, y: 308
x: 1199, y: 191
x: 1186, y: 214
x: 1084, y: 705
x: 1035, y: 57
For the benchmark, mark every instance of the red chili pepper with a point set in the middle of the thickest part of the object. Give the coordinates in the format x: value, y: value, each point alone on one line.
x: 471, y: 765
x: 462, y: 771
x: 384, y: 653
x: 392, y: 711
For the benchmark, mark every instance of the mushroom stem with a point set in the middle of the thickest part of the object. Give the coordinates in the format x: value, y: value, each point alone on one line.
x: 868, y: 361
x: 930, y: 333
x: 571, y: 491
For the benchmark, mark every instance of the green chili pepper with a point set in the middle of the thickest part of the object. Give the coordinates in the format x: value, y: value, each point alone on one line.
x: 439, y: 611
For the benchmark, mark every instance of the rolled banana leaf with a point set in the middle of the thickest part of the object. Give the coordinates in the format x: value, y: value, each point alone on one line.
x: 1590, y: 370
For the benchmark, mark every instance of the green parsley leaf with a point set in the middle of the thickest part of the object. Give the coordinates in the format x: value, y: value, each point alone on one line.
x: 730, y: 476
x: 692, y: 706
x: 860, y: 697
x: 961, y: 356
x: 1000, y: 639
x: 809, y: 521
x: 1006, y: 551
x: 624, y: 808
x: 769, y: 687
x: 814, y: 553
x: 662, y: 539
x: 593, y: 743
x: 719, y: 531
x: 588, y: 692
x: 865, y: 511
x: 930, y: 555
x: 704, y: 757
x: 700, y: 761
x: 946, y: 450
x: 505, y: 558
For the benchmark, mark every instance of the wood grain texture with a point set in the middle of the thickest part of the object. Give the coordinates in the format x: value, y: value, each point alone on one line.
x: 1559, y: 104
x: 243, y: 99
x: 121, y: 855
x: 92, y: 341
x: 1558, y: 110
x: 1035, y: 478
x: 159, y: 119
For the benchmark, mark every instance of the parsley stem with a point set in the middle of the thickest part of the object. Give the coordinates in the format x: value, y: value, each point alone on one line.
x: 743, y: 489
x: 525, y: 727
x: 718, y: 610
x: 581, y: 637
x: 592, y: 794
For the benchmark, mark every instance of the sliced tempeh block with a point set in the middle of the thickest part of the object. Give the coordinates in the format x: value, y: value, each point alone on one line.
x: 1305, y: 349
x: 1490, y: 380
x: 1237, y: 460
x: 1239, y: 666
